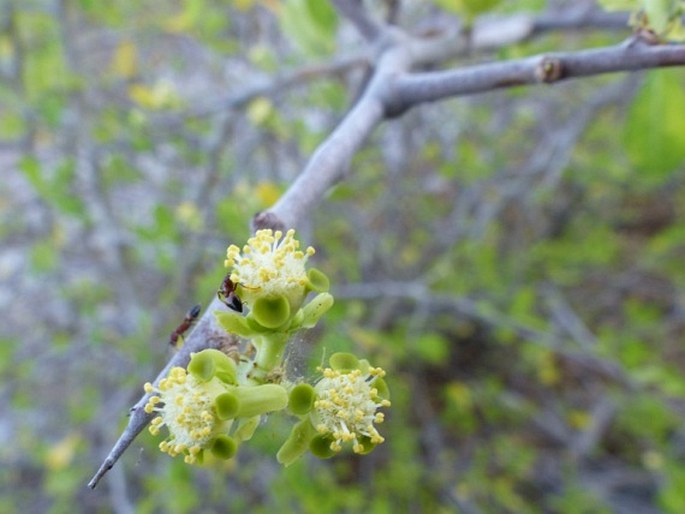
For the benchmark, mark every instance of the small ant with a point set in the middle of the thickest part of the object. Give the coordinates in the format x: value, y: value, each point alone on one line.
x: 226, y: 293
x: 188, y: 321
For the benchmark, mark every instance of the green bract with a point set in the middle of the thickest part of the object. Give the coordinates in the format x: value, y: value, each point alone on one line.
x: 224, y: 447
x: 210, y: 363
x: 256, y: 400
x: 343, y: 361
x: 297, y: 443
x: 320, y: 446
x: 234, y: 323
x: 227, y: 406
x: 271, y: 312
x: 317, y: 281
x: 246, y: 428
x: 301, y: 399
x: 313, y: 311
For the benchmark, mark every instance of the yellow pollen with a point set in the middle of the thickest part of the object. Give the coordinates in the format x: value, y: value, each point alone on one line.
x: 346, y: 406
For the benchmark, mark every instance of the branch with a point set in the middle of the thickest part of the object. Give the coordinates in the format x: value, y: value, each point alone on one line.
x: 328, y: 162
x: 207, y: 334
x: 415, y: 89
x: 393, y: 90
x: 468, y: 308
x: 487, y: 34
x: 493, y: 32
x: 581, y: 20
x: 354, y: 11
x: 275, y: 85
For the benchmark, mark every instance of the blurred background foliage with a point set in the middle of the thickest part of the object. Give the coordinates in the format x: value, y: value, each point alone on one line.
x: 514, y: 260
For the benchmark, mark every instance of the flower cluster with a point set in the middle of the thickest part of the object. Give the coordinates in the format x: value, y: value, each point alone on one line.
x: 204, y: 408
x: 217, y: 402
x: 340, y: 408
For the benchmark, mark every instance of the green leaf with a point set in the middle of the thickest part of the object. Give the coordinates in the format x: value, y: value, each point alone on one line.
x: 467, y: 8
x: 671, y: 497
x: 311, y: 24
x: 71, y: 205
x: 31, y: 169
x: 44, y: 256
x: 654, y: 134
x: 164, y: 221
x: 432, y: 348
x: 323, y: 15
x: 12, y: 125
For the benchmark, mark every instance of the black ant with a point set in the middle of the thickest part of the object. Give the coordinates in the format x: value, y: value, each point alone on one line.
x: 226, y: 293
x: 188, y: 321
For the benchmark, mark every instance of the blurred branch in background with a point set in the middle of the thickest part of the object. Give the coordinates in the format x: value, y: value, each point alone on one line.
x: 514, y: 256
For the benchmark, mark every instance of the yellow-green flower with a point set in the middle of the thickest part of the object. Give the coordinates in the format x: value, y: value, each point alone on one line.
x: 185, y: 405
x: 346, y: 405
x: 270, y: 265
x: 340, y: 408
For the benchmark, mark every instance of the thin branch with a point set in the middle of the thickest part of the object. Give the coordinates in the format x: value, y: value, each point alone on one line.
x: 415, y: 89
x: 207, y: 334
x: 276, y: 84
x: 490, y: 33
x: 328, y: 162
x: 601, y: 417
x: 393, y: 90
x: 487, y: 34
x: 580, y: 20
x: 468, y: 308
x: 354, y: 11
